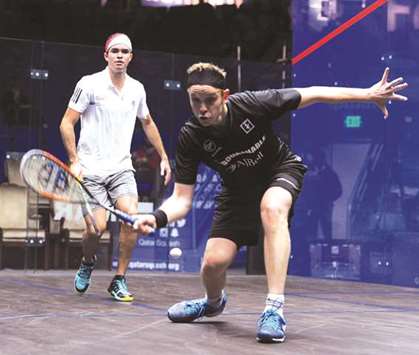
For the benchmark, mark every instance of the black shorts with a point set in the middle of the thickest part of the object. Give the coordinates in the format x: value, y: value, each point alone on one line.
x: 237, y: 213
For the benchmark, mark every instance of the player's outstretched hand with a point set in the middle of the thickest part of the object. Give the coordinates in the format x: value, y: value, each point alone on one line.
x: 383, y: 91
x: 144, y: 224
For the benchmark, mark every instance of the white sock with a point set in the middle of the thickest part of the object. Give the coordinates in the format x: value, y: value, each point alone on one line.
x: 275, y: 302
x: 214, y: 302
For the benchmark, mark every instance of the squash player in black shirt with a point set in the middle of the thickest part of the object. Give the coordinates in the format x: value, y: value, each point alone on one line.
x: 261, y: 177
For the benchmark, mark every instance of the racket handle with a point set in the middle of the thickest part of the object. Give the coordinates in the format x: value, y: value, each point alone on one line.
x: 125, y: 217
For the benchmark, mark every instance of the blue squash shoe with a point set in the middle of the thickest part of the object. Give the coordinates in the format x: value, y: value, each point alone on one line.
x: 82, y: 279
x: 188, y: 311
x: 271, y: 327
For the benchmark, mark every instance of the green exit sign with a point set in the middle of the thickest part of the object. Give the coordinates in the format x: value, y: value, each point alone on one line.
x: 353, y: 121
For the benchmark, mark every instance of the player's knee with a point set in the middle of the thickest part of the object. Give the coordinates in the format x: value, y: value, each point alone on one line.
x: 273, y: 213
x: 214, y: 262
x: 130, y: 208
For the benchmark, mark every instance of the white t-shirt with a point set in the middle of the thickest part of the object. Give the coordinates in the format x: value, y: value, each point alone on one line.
x: 107, y: 122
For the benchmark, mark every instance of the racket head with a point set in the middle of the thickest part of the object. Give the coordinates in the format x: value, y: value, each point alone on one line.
x: 50, y: 177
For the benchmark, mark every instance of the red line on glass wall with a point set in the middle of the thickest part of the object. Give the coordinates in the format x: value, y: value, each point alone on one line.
x: 336, y: 32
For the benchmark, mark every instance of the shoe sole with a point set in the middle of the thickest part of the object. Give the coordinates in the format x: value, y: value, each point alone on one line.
x: 214, y: 314
x: 270, y: 340
x: 191, y: 319
x: 183, y: 320
x: 119, y: 299
x: 80, y: 291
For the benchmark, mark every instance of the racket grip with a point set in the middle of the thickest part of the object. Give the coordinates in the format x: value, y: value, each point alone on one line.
x: 125, y: 217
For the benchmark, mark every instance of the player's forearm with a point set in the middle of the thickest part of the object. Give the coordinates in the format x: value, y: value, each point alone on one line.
x: 176, y: 208
x: 331, y: 95
x: 154, y: 137
x: 69, y: 140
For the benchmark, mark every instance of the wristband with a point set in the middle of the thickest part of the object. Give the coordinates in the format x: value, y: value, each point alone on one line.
x: 161, y: 218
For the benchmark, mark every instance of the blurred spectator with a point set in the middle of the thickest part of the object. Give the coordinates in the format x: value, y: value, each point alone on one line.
x: 15, y: 106
x: 411, y: 212
x: 322, y: 188
x: 146, y: 162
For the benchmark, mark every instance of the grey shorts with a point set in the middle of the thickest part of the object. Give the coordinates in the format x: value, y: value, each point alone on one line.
x: 108, y: 189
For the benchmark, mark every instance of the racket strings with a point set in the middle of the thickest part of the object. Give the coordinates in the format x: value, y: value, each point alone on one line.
x: 49, y: 179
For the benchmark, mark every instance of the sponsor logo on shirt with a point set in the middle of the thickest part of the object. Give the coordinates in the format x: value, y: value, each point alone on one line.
x: 245, y: 163
x: 210, y: 147
x: 247, y: 126
x: 253, y: 149
x: 98, y: 100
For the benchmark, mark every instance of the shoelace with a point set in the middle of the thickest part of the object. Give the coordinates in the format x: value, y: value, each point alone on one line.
x: 195, y: 307
x: 121, y: 286
x: 124, y: 285
x: 271, y: 319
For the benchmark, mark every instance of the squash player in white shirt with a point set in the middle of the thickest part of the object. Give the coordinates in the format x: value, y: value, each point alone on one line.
x: 108, y: 103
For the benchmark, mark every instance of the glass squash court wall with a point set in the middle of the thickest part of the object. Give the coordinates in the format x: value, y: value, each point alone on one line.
x: 38, y: 79
x: 358, y: 215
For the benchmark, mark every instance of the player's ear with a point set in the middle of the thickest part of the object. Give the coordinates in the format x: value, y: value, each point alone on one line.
x: 226, y: 94
x: 105, y: 55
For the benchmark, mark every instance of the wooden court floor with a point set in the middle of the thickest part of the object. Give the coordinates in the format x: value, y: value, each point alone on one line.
x: 40, y: 314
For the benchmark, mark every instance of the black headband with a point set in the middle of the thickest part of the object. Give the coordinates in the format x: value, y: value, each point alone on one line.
x: 206, y: 77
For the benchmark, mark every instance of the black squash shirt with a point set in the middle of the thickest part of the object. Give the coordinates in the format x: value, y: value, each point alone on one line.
x: 244, y: 150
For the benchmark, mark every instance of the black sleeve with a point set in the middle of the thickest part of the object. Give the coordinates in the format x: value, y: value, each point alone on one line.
x: 270, y: 103
x: 186, y: 160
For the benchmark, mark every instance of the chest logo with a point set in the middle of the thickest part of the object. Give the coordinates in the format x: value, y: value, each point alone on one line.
x: 247, y: 126
x: 209, y: 146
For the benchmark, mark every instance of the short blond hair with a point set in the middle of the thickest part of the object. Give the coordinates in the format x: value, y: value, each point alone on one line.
x: 206, y: 66
x: 206, y: 74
